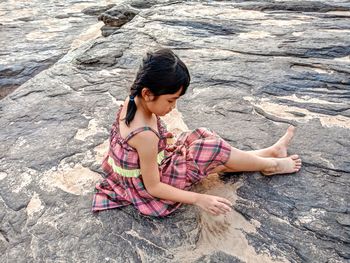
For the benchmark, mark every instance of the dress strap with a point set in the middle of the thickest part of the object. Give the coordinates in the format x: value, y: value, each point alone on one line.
x: 141, y: 129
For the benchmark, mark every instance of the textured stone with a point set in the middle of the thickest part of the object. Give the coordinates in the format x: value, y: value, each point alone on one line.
x: 218, y: 257
x: 96, y: 10
x: 253, y: 72
x: 34, y: 36
x: 116, y: 17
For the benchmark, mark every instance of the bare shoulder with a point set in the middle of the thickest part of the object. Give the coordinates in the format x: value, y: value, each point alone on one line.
x: 145, y: 142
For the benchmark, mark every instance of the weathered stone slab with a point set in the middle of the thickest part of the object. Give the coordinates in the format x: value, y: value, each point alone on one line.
x: 35, y: 35
x: 253, y: 72
x: 116, y: 17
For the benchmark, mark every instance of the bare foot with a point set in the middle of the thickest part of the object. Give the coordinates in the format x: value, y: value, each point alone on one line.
x: 279, y: 149
x: 287, y: 165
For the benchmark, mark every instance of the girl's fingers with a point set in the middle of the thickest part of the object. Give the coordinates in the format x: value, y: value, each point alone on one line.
x: 224, y: 208
x: 220, y: 208
x: 225, y: 201
x: 214, y: 211
x: 171, y: 148
x: 169, y: 135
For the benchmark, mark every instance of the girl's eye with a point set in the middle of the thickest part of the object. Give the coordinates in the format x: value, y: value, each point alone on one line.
x: 170, y: 101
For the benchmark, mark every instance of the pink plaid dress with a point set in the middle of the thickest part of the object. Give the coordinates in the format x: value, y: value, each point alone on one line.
x: 196, y: 154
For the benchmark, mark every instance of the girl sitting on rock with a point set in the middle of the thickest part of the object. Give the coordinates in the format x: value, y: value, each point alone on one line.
x: 142, y: 170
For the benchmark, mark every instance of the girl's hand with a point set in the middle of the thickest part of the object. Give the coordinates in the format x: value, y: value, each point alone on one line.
x: 214, y: 205
x: 170, y: 142
x: 171, y: 148
x: 169, y: 135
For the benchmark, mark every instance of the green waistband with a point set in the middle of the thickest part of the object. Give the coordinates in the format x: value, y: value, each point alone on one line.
x: 131, y: 172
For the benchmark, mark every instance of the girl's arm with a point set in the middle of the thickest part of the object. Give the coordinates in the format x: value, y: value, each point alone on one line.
x: 146, y: 144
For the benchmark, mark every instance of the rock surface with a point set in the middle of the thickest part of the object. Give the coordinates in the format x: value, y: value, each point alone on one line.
x: 34, y: 35
x: 115, y: 18
x: 255, y: 67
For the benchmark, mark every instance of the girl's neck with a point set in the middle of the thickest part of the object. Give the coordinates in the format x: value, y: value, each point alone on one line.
x: 142, y: 107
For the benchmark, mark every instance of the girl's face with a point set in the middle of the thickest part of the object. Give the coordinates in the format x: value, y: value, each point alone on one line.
x: 163, y: 104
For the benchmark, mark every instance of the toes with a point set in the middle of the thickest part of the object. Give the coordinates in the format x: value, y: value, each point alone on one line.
x: 297, y: 167
x: 295, y: 157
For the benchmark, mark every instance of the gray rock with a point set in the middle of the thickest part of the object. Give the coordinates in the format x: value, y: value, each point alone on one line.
x: 116, y: 17
x: 305, y: 6
x: 143, y: 4
x: 97, y: 10
x: 108, y: 54
x: 218, y: 257
x: 34, y: 37
x: 253, y: 73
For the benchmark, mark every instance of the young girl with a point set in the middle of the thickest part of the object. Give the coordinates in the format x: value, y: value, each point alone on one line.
x: 142, y: 170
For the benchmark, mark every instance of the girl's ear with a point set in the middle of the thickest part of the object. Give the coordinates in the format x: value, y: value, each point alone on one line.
x: 146, y: 94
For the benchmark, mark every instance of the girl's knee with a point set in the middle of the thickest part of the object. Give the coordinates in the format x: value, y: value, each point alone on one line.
x: 219, y: 169
x: 204, y: 132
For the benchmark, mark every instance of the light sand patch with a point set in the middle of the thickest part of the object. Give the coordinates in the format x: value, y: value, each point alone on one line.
x: 198, y: 91
x: 343, y: 59
x: 314, y: 68
x: 339, y: 13
x: 77, y: 7
x: 48, y: 29
x: 306, y: 99
x: 118, y: 102
x: 2, y: 175
x: 20, y: 142
x: 204, y: 54
x: 345, y: 31
x: 174, y: 122
x: 204, y: 11
x: 225, y: 232
x: 55, y: 25
x: 201, y: 10
x: 77, y: 180
x: 297, y: 34
x: 281, y: 23
x: 255, y: 35
x: 34, y: 205
x: 247, y: 14
x: 40, y: 35
x: 335, y: 121
x: 101, y: 151
x: 328, y: 163
x: 92, y: 129
x: 310, y: 216
x: 14, y: 12
x: 255, y: 223
x: 287, y: 112
x: 236, y: 13
x: 92, y: 32
x: 322, y: 71
x: 25, y: 180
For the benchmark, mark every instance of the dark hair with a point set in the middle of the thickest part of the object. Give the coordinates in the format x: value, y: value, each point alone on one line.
x: 162, y: 72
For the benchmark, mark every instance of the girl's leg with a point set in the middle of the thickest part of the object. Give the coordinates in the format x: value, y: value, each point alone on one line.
x: 241, y: 161
x: 279, y: 149
x: 271, y: 160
